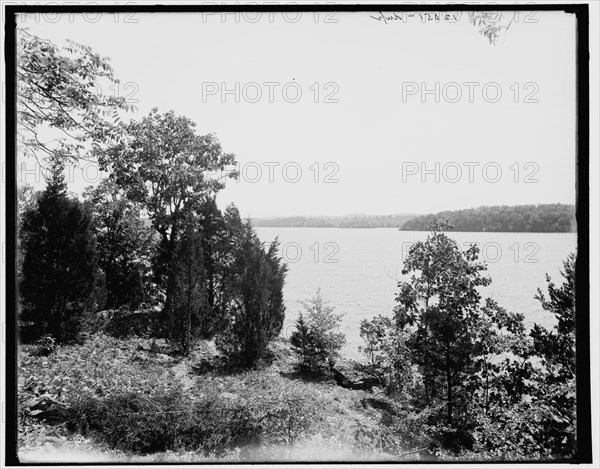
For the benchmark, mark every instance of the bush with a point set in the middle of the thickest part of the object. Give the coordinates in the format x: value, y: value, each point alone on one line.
x: 121, y: 393
x: 45, y: 345
x: 316, y: 340
x: 171, y: 421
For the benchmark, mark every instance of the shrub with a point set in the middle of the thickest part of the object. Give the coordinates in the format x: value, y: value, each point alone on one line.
x: 316, y: 339
x: 45, y: 345
x: 145, y: 423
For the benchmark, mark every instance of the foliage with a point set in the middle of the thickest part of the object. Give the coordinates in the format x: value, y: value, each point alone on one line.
x: 170, y: 421
x: 219, y: 232
x: 556, y: 389
x: 124, y: 245
x: 45, y: 345
x: 526, y: 409
x: 519, y: 218
x: 26, y: 201
x: 58, y: 266
x: 557, y: 348
x: 387, y: 353
x: 122, y: 393
x: 187, y: 304
x: 257, y: 310
x: 491, y: 24
x: 61, y: 89
x: 165, y: 166
x: 317, y: 339
x: 437, y: 307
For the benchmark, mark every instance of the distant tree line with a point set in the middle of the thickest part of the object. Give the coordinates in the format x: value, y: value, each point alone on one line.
x: 547, y: 218
x: 358, y: 221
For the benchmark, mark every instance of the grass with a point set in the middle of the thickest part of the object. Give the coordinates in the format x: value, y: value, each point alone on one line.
x: 128, y: 400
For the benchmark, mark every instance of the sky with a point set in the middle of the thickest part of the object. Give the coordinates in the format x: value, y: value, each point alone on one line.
x: 345, y: 113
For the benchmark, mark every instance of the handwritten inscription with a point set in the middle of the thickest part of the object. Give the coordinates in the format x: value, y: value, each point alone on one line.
x: 424, y: 16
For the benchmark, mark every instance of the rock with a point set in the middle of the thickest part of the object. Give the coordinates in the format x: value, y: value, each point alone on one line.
x: 352, y: 375
x: 162, y: 358
x: 48, y: 409
x: 377, y: 403
x: 203, y: 366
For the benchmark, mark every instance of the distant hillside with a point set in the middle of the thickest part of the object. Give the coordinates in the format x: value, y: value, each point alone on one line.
x: 349, y: 221
x: 549, y: 218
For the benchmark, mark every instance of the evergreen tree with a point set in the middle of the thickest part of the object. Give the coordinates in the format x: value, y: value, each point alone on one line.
x: 58, y: 265
x: 187, y: 308
x: 316, y: 338
x: 303, y: 343
x: 256, y: 312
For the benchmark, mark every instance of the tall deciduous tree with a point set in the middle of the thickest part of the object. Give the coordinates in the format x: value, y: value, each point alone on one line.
x: 58, y: 267
x: 167, y: 167
x: 437, y: 305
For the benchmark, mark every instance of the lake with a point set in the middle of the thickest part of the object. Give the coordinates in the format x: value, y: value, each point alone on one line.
x: 357, y: 270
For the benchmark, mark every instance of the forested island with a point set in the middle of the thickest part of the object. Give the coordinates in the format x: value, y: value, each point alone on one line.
x: 544, y: 218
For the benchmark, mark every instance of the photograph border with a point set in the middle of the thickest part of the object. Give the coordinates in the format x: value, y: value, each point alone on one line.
x: 581, y: 12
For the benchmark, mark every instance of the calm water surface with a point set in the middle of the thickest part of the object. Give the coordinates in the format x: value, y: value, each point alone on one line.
x: 357, y: 270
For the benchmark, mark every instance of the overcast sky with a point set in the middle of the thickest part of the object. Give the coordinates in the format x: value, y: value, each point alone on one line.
x: 363, y: 145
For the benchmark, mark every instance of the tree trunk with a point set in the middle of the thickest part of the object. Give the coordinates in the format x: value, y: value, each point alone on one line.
x: 449, y: 384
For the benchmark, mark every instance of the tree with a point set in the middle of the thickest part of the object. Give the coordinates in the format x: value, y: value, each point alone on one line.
x: 304, y: 344
x: 124, y: 245
x: 60, y: 99
x: 375, y: 334
x: 166, y: 167
x: 556, y: 348
x: 188, y: 307
x: 387, y: 352
x: 256, y: 311
x: 525, y: 404
x: 219, y: 232
x: 493, y: 381
x: 58, y: 266
x: 26, y: 201
x: 436, y: 306
x: 317, y: 339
